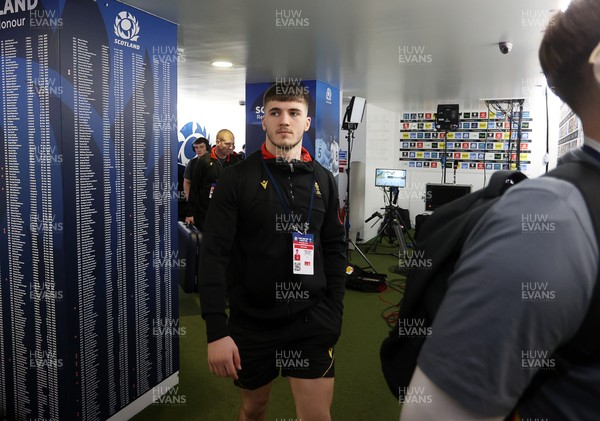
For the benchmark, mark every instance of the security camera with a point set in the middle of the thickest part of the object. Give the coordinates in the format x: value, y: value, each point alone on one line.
x: 505, y: 47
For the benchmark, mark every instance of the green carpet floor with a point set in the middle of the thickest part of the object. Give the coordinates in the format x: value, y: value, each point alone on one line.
x: 360, y: 391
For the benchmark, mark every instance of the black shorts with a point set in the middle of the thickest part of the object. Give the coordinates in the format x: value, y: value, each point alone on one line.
x: 297, y: 350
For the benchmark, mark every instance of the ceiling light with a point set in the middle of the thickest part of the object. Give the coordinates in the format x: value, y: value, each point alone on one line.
x: 223, y: 64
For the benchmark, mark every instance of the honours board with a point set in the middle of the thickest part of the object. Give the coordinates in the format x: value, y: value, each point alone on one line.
x: 88, y: 294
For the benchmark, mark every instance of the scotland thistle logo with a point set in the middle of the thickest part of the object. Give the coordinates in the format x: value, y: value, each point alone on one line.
x: 126, y: 26
x: 187, y: 134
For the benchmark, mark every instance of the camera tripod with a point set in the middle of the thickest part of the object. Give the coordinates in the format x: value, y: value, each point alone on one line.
x: 350, y: 127
x: 392, y: 226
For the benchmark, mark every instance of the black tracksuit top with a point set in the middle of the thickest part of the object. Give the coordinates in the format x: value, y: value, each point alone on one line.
x: 205, y: 173
x: 247, y: 247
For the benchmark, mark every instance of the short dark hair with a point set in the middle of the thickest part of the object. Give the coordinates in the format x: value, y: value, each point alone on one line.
x: 570, y: 38
x: 202, y: 140
x: 287, y: 92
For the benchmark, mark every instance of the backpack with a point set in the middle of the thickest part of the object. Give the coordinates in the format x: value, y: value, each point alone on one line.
x: 359, y: 279
x: 441, y: 240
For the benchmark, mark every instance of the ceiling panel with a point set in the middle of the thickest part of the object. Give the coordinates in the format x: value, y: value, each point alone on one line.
x: 397, y: 53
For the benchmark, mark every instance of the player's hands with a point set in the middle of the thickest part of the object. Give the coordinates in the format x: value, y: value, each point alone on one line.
x: 224, y: 358
x: 189, y: 220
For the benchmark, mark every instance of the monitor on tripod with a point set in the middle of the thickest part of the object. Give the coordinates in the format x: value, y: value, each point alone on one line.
x: 390, y: 178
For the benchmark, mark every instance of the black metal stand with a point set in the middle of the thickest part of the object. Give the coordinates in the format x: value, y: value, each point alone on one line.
x: 496, y: 105
x: 445, y: 159
x: 519, y: 135
x: 391, y: 219
x: 350, y: 139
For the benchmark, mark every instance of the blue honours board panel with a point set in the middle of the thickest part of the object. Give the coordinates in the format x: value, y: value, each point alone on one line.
x: 88, y: 292
x: 32, y: 293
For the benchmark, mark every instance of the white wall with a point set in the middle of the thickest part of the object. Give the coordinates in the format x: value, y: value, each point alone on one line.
x: 214, y: 115
x: 375, y: 146
x: 537, y: 105
x: 382, y: 126
x: 380, y: 149
x: 357, y: 175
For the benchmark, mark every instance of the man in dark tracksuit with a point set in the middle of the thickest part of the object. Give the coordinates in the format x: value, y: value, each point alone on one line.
x: 285, y: 304
x: 205, y: 175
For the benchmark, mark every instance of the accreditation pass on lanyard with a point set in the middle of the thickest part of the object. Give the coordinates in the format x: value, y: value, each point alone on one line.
x: 303, y: 253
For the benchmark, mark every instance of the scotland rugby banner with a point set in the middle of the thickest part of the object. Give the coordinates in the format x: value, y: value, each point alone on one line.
x: 88, y: 193
x: 187, y: 134
x: 327, y: 126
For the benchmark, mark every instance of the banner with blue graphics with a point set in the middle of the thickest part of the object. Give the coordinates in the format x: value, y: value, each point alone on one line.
x: 88, y: 193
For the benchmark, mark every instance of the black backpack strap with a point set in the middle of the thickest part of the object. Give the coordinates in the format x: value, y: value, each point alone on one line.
x: 442, y: 238
x: 585, y: 345
x: 501, y: 181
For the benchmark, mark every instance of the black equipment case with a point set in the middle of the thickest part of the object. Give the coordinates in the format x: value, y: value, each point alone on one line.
x: 190, y: 240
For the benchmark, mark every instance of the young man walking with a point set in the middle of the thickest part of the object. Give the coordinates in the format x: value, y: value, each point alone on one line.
x: 274, y: 241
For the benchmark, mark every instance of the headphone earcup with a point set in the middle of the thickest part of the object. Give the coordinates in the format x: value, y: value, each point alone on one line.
x: 595, y: 61
x: 597, y: 68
